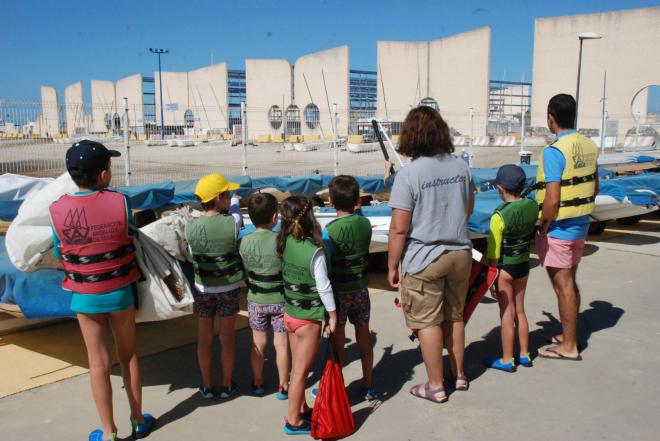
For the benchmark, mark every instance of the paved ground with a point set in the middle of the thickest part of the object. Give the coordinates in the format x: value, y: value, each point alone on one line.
x: 613, y: 394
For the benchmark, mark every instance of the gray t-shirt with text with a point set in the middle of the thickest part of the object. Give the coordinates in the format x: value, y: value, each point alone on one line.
x: 437, y: 191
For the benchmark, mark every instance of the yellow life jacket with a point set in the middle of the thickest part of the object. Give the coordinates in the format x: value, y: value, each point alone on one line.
x: 577, y: 192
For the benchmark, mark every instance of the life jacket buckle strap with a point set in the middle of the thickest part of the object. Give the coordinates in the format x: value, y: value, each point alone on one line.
x: 233, y: 269
x: 205, y: 258
x: 102, y: 277
x: 305, y: 303
x: 117, y: 253
x: 301, y: 288
x: 263, y: 290
x: 265, y: 277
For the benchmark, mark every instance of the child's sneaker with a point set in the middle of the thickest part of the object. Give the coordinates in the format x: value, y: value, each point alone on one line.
x: 305, y: 428
x: 226, y: 392
x: 525, y: 360
x: 367, y: 393
x: 282, y: 394
x: 497, y: 364
x: 143, y: 430
x: 97, y: 435
x: 258, y: 391
x: 205, y: 392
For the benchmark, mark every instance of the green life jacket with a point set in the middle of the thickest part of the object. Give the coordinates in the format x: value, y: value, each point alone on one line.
x: 264, y: 268
x: 350, y: 237
x: 519, y: 219
x: 212, y: 240
x: 301, y: 298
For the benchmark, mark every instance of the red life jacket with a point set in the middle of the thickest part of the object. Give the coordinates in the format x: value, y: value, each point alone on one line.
x: 97, y: 252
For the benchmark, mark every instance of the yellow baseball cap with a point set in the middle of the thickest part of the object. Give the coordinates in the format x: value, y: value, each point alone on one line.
x: 210, y: 186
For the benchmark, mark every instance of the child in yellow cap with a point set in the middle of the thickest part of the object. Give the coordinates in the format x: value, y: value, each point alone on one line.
x: 218, y: 277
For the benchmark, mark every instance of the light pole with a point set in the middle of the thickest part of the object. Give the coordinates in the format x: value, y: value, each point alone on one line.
x: 159, y: 52
x: 583, y: 36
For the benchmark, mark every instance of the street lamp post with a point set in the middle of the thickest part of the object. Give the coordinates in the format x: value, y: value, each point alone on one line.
x: 583, y: 36
x: 159, y: 52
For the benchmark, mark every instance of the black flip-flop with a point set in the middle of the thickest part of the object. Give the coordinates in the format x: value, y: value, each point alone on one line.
x: 559, y: 356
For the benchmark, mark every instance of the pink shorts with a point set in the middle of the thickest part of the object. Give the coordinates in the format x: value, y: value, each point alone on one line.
x: 558, y: 253
x: 293, y: 324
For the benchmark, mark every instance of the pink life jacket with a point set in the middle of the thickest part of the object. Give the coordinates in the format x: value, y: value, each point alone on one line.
x: 97, y: 253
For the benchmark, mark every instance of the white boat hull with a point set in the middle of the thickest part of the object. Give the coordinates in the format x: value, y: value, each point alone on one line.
x: 363, y: 148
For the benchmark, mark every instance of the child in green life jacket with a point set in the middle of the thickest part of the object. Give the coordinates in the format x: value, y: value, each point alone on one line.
x: 263, y: 267
x: 218, y: 277
x: 347, y: 240
x: 512, y: 228
x: 308, y: 300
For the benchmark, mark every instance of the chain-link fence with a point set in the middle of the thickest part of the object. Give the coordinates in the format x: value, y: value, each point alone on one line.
x: 281, y: 140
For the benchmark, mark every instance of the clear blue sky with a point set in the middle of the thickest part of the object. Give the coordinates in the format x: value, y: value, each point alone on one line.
x: 59, y: 42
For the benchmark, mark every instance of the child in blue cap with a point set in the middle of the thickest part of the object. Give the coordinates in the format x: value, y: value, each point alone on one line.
x: 512, y: 227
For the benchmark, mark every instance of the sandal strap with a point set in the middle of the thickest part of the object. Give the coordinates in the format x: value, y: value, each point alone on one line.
x: 429, y: 391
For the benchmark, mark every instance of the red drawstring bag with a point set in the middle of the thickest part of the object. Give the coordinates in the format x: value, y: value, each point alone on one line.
x: 332, y: 416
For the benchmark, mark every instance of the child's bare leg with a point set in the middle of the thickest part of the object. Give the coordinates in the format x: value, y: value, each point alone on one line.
x: 94, y: 328
x: 205, y: 350
x: 259, y: 340
x: 304, y: 352
x: 507, y: 314
x: 363, y: 338
x: 227, y: 348
x: 122, y: 324
x: 338, y: 339
x: 520, y: 286
x: 283, y: 360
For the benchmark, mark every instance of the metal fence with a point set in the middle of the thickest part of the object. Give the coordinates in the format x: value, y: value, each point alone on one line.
x: 282, y: 140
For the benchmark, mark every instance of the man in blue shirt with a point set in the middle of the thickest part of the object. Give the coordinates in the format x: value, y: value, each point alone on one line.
x: 567, y: 184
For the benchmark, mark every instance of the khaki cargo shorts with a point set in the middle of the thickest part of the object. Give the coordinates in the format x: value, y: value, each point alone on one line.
x: 438, y: 292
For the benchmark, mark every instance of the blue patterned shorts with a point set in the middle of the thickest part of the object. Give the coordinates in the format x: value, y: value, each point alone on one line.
x: 354, y: 306
x: 262, y: 317
x: 225, y: 304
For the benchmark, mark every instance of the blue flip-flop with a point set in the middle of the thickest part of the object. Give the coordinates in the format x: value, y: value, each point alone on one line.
x: 497, y: 364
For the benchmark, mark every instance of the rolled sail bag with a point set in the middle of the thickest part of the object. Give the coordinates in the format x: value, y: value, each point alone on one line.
x: 163, y: 291
x: 29, y: 239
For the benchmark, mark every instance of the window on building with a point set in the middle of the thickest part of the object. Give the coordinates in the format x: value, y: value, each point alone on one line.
x: 116, y: 122
x: 312, y: 116
x: 275, y: 117
x: 292, y: 120
x: 430, y: 102
x: 189, y: 118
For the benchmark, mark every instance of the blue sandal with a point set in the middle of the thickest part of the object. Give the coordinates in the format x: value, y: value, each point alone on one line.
x: 143, y: 430
x: 304, y: 428
x: 497, y: 364
x: 97, y: 435
x: 525, y: 360
x: 282, y: 394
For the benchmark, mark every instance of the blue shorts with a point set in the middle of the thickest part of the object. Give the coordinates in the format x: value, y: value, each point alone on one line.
x: 112, y: 301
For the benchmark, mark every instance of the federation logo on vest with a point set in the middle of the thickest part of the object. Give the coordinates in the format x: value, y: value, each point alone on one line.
x: 516, y: 224
x: 75, y: 228
x: 346, y: 240
x: 580, y: 159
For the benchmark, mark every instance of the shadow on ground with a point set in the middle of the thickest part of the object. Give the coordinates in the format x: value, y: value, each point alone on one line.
x: 601, y: 315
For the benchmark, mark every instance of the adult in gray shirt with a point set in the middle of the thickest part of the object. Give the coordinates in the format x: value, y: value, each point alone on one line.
x: 429, y: 252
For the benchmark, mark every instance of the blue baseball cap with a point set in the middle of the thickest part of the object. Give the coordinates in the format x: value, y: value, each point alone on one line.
x: 89, y: 156
x: 511, y: 177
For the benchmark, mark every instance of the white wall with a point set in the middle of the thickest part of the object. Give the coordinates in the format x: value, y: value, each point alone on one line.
x: 49, y: 111
x: 103, y: 102
x: 454, y: 71
x: 629, y: 51
x: 334, y: 65
x: 207, y: 96
x: 131, y: 88
x: 268, y: 83
x: 74, y: 109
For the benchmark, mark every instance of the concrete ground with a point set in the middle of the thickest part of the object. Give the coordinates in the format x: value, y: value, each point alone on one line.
x: 612, y: 394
